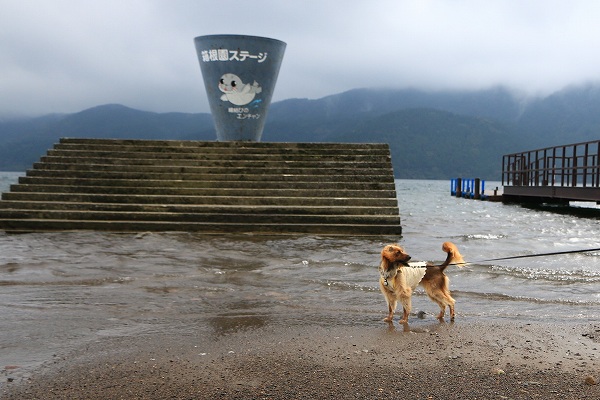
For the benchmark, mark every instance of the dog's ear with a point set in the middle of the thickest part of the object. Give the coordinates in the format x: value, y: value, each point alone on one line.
x: 390, y: 248
x: 386, y: 251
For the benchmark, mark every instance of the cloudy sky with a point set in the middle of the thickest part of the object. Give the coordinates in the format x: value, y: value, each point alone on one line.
x: 69, y: 55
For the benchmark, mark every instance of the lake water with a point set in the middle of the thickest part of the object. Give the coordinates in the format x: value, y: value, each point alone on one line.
x: 59, y: 291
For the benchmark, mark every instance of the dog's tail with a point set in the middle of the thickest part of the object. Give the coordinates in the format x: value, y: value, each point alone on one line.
x: 454, y: 257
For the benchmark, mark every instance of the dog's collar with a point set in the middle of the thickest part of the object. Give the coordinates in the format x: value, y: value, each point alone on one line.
x: 390, y: 273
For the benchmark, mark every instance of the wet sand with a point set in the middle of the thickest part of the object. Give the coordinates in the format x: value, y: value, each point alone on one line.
x: 425, y: 360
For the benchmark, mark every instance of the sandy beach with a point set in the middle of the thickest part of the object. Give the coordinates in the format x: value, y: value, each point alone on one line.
x: 423, y: 360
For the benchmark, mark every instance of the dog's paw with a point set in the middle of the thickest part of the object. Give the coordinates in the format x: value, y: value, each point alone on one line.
x: 388, y: 319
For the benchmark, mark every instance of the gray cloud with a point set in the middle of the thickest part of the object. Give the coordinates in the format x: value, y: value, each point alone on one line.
x: 67, y: 55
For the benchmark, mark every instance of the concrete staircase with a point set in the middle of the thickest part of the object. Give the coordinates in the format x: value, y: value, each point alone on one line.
x: 206, y: 187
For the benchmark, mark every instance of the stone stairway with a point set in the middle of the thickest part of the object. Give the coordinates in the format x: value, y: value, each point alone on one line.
x: 206, y: 187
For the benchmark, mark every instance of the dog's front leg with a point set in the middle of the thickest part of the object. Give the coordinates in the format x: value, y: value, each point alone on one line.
x: 391, y: 302
x: 390, y: 299
x: 405, y: 299
x: 391, y: 309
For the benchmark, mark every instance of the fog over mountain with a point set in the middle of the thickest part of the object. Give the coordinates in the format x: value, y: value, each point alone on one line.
x: 63, y: 56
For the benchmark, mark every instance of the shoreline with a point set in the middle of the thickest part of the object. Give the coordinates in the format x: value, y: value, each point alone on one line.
x: 468, y: 359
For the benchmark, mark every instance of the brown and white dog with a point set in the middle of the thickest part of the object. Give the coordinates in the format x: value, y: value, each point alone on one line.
x: 399, y: 278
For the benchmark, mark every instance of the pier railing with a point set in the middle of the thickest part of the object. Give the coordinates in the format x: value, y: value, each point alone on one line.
x: 572, y: 168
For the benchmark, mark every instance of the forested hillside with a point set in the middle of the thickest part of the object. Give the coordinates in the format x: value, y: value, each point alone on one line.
x: 432, y: 135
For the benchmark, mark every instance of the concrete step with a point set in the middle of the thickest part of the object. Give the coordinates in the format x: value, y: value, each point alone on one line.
x: 376, y: 176
x: 180, y: 199
x: 48, y: 225
x: 224, y: 152
x: 245, y: 184
x: 233, y: 217
x: 314, y: 162
x: 316, y: 169
x: 116, y: 152
x: 312, y: 147
x: 199, y: 208
x: 209, y: 187
x: 215, y: 191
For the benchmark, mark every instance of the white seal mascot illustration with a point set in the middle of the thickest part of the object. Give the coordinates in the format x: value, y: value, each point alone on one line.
x: 236, y: 91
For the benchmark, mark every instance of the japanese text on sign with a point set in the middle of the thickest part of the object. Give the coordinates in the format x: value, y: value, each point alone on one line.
x: 231, y: 55
x: 243, y: 113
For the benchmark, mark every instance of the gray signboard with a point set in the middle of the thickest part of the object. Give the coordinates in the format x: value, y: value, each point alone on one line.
x: 239, y: 75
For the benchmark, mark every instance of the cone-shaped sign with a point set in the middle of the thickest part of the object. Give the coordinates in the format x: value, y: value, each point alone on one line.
x: 239, y: 75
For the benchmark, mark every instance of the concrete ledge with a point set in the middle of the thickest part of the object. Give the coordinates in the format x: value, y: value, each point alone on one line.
x: 209, y: 187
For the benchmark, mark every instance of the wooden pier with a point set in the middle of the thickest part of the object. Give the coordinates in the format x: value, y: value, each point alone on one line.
x: 553, y: 175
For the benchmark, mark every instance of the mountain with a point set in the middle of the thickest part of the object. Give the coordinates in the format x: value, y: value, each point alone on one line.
x: 569, y: 116
x: 433, y: 144
x: 496, y: 103
x: 117, y: 121
x: 432, y: 135
x: 25, y: 140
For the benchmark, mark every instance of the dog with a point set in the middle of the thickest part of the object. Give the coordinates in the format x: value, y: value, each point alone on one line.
x: 398, y: 279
